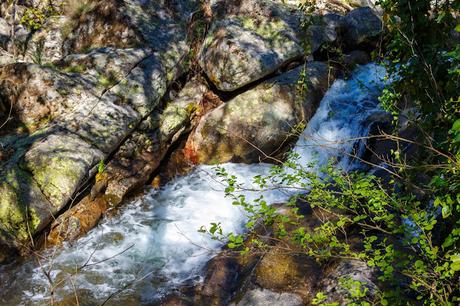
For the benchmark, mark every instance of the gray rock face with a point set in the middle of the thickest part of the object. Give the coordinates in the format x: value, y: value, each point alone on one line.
x: 24, y: 210
x: 259, y: 297
x: 129, y: 23
x: 242, y: 49
x: 45, y: 46
x: 362, y: 25
x: 259, y: 120
x: 5, y: 32
x: 59, y: 163
x: 107, y: 65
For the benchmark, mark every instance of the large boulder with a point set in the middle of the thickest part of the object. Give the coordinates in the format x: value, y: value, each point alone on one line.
x: 363, y: 25
x: 249, y: 40
x: 259, y: 122
x: 39, y: 95
x: 129, y: 23
x: 244, y: 48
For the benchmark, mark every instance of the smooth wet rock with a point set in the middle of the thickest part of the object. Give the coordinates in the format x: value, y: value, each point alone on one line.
x: 257, y: 297
x: 259, y: 122
x: 279, y: 269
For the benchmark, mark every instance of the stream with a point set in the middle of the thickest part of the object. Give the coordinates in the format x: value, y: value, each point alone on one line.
x: 153, y: 245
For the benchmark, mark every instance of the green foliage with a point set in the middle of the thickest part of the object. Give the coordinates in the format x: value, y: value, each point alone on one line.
x: 37, y: 54
x: 34, y: 18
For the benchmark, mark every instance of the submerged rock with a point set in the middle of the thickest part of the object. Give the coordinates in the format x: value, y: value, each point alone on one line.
x: 259, y: 122
x: 267, y: 297
x: 280, y: 269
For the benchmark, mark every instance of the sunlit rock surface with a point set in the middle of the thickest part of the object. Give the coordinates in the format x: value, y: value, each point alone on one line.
x: 249, y: 41
x: 258, y: 122
x: 66, y: 117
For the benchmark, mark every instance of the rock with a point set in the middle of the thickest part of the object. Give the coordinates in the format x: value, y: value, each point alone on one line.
x: 45, y: 46
x: 175, y: 301
x: 222, y: 280
x: 260, y: 120
x: 362, y: 25
x: 249, y: 40
x: 77, y: 221
x: 242, y: 49
x: 141, y: 155
x: 356, y: 57
x: 59, y: 164
x: 5, y: 32
x: 6, y: 58
x: 132, y: 165
x: 40, y: 95
x: 266, y: 297
x: 279, y: 270
x: 108, y: 65
x: 340, y: 6
x: 326, y: 33
x: 24, y: 210
x: 347, y: 269
x: 104, y: 123
x: 129, y: 23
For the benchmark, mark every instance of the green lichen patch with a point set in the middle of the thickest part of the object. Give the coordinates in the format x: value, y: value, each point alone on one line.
x: 59, y: 164
x: 23, y: 209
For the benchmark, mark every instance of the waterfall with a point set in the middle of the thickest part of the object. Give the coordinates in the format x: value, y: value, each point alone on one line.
x: 154, y: 245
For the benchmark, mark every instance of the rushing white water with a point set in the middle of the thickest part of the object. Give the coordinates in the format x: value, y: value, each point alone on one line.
x: 154, y: 244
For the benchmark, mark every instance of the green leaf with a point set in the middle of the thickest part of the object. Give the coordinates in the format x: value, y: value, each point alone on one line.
x: 456, y: 125
x: 455, y: 265
x: 457, y: 28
